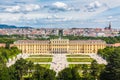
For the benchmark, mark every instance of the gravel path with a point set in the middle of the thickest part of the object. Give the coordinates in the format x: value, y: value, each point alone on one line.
x: 98, y: 58
x: 79, y: 62
x: 39, y: 57
x: 78, y: 57
x: 12, y: 61
x: 42, y: 62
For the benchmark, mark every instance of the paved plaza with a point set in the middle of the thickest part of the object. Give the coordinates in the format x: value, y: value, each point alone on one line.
x: 59, y: 62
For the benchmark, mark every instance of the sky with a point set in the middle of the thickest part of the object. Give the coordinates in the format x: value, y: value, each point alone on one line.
x: 60, y: 13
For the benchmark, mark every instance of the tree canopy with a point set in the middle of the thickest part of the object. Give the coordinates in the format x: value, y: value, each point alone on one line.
x: 112, y: 70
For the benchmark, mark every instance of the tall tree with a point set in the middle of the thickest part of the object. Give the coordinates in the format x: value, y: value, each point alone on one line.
x: 13, y: 75
x: 7, y: 46
x: 95, y: 71
x: 38, y: 73
x: 69, y: 74
x: 85, y: 72
x: 20, y: 66
x: 49, y: 75
x: 75, y: 73
x: 65, y: 74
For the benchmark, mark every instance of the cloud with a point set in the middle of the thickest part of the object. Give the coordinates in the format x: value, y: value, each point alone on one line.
x: 22, y: 8
x: 31, y: 7
x: 13, y: 9
x: 110, y: 17
x: 56, y: 11
x: 93, y: 6
x: 60, y: 5
x: 31, y: 18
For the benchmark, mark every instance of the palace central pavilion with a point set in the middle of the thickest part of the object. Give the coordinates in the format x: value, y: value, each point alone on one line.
x: 59, y: 46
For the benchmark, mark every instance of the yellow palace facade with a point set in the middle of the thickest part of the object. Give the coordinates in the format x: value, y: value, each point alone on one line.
x: 59, y: 46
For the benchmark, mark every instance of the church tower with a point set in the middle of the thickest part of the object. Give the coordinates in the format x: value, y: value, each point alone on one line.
x: 109, y: 25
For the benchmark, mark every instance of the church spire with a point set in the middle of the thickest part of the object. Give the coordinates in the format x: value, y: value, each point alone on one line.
x: 110, y: 25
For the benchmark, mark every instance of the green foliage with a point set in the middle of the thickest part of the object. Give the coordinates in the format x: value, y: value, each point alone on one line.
x: 12, y: 38
x: 85, y: 72
x: 4, y: 74
x: 53, y: 37
x: 112, y: 70
x: 22, y: 68
x: 95, y: 70
x: 109, y: 40
x: 7, y: 46
x: 41, y: 73
x: 89, y: 72
x: 6, y: 40
x: 12, y: 73
x: 68, y: 74
x: 6, y: 53
x: 107, y: 52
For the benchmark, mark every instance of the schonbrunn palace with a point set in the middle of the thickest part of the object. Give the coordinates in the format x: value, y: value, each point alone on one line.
x: 59, y: 46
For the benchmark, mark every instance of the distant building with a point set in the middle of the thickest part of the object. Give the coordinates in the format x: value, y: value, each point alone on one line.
x: 2, y: 44
x: 114, y: 45
x: 100, y: 34
x: 59, y: 46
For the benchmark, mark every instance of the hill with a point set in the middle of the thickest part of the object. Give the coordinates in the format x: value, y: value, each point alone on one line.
x: 4, y: 26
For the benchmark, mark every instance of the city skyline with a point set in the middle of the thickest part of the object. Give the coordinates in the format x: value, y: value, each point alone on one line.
x: 60, y: 13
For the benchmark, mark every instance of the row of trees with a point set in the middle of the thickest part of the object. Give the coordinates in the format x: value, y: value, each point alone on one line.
x: 109, y: 40
x: 6, y: 40
x: 9, y: 39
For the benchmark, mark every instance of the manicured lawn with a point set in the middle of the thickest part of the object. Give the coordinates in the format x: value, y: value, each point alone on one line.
x: 40, y: 59
x: 79, y: 59
x: 41, y: 55
x: 78, y: 55
x: 27, y: 75
x: 73, y: 65
x: 45, y: 65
